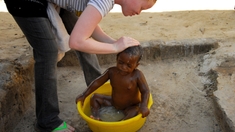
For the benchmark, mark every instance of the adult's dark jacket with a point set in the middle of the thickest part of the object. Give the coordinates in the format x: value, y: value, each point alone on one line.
x: 27, y: 8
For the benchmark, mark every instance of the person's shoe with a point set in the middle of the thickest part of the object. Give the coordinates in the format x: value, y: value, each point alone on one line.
x: 64, y: 128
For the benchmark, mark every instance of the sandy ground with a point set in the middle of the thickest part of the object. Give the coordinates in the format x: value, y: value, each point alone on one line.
x: 180, y: 104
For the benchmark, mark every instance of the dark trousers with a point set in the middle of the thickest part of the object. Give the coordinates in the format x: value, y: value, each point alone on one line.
x: 40, y: 36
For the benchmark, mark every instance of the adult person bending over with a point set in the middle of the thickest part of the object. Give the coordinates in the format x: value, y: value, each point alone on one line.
x: 87, y: 25
x: 31, y: 16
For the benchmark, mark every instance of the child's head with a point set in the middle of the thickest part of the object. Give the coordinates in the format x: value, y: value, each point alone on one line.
x: 128, y: 59
x: 135, y: 51
x: 134, y: 7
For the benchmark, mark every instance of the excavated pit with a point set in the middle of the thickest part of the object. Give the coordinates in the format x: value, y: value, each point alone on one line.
x: 182, y: 91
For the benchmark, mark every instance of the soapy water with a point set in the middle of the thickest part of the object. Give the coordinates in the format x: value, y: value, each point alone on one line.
x: 110, y: 114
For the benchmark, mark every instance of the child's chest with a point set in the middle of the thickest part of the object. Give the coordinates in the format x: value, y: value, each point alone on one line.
x: 123, y: 82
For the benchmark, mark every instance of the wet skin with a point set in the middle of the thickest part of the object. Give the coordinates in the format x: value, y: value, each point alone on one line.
x: 130, y: 91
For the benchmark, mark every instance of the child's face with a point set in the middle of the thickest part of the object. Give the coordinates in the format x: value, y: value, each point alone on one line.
x: 134, y: 7
x: 127, y: 63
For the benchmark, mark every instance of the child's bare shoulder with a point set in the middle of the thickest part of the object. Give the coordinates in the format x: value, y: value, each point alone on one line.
x: 138, y: 73
x: 112, y: 69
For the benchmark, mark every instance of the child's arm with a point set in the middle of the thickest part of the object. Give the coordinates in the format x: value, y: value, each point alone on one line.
x: 144, y: 90
x: 93, y: 86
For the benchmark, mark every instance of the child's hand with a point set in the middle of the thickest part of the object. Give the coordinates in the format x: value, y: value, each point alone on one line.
x: 80, y: 98
x: 144, y: 111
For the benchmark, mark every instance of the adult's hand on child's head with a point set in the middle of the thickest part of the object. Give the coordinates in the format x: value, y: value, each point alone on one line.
x: 125, y: 42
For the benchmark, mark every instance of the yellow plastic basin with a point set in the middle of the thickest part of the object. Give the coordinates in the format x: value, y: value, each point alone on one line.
x: 130, y: 125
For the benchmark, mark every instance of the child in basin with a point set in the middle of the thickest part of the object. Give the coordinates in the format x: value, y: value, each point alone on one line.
x: 130, y: 91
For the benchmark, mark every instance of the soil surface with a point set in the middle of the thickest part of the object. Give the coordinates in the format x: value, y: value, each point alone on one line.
x: 180, y: 103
